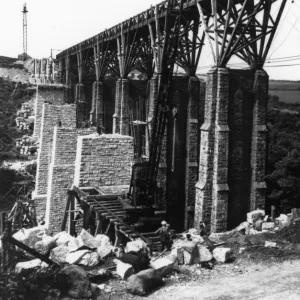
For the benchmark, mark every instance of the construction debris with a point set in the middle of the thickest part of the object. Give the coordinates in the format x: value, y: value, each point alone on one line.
x: 222, y: 255
x: 143, y: 282
x: 76, y: 281
x: 124, y: 270
x: 134, y: 266
x: 163, y: 265
x: 35, y: 263
x: 30, y: 236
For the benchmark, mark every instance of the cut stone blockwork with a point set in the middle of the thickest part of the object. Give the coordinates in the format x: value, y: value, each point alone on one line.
x: 81, y: 105
x: 259, y: 141
x: 235, y: 99
x: 204, y: 186
x: 51, y: 116
x: 220, y: 176
x: 97, y: 111
x: 191, y: 148
x: 121, y: 115
x: 45, y: 93
x: 61, y: 173
x: 103, y: 160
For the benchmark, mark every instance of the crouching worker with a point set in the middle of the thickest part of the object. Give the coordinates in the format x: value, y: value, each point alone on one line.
x: 163, y: 231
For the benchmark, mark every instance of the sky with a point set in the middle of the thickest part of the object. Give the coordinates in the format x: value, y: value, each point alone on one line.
x: 60, y: 24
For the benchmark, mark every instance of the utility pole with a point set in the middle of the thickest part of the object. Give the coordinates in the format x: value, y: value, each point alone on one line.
x: 25, y: 11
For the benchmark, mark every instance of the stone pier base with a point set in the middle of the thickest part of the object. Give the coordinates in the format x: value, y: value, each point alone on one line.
x: 233, y: 148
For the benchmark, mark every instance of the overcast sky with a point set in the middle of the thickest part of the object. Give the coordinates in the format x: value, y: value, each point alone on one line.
x: 59, y: 24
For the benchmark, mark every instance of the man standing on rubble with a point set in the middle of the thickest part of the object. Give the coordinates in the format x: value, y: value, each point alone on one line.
x: 163, y: 231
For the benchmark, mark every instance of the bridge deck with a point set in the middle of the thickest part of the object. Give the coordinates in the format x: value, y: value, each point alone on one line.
x: 139, y: 21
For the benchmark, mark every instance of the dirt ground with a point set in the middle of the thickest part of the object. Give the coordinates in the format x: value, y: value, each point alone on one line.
x: 259, y: 282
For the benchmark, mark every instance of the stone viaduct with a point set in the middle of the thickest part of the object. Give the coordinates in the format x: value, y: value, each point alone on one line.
x: 214, y: 152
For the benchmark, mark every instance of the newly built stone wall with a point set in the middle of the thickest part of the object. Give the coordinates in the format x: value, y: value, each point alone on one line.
x: 46, y: 93
x: 61, y: 173
x: 51, y: 116
x: 103, y: 160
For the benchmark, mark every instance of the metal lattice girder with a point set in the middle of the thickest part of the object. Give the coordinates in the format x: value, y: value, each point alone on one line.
x: 245, y: 29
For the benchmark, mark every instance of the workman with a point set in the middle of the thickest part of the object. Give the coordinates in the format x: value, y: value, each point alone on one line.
x: 169, y: 240
x: 163, y: 231
x: 202, y: 228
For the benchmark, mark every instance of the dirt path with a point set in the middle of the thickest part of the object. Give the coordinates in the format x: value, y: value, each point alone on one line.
x: 275, y: 282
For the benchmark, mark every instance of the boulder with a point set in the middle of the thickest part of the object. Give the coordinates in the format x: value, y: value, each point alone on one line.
x: 98, y: 275
x: 190, y: 255
x: 74, y: 245
x: 268, y: 226
x: 179, y: 253
x: 204, y: 254
x: 74, y: 257
x: 59, y: 254
x: 144, y: 282
x: 26, y: 265
x: 124, y: 270
x: 63, y: 238
x: 258, y: 225
x: 132, y: 259
x: 30, y: 236
x: 44, y: 265
x: 252, y: 231
x: 45, y: 245
x: 296, y: 213
x: 290, y: 218
x: 76, y: 282
x: 255, y: 215
x: 241, y: 250
x: 84, y: 239
x: 186, y: 252
x: 270, y: 244
x: 222, y: 254
x: 283, y: 220
x: 90, y: 259
x: 102, y: 238
x: 163, y: 265
x: 105, y: 249
x: 135, y: 246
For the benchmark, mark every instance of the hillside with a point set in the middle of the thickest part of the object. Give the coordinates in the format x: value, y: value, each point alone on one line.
x: 286, y: 91
x: 12, y: 95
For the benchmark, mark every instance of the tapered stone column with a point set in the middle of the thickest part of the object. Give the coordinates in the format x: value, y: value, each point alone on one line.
x: 124, y: 107
x: 48, y: 71
x: 81, y: 105
x: 68, y: 94
x: 204, y: 186
x: 57, y: 71
x: 192, y: 142
x: 153, y: 91
x: 43, y: 70
x: 121, y: 115
x: 259, y: 140
x: 116, y: 116
x: 97, y: 111
x: 220, y: 178
x: 37, y: 66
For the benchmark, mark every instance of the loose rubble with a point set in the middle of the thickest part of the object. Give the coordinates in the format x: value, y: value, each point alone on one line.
x: 84, y: 260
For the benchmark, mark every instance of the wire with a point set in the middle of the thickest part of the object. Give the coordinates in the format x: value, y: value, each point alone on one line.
x: 293, y: 65
x: 285, y: 37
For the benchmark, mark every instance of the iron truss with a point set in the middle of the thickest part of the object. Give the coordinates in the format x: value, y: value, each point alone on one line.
x: 245, y: 28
